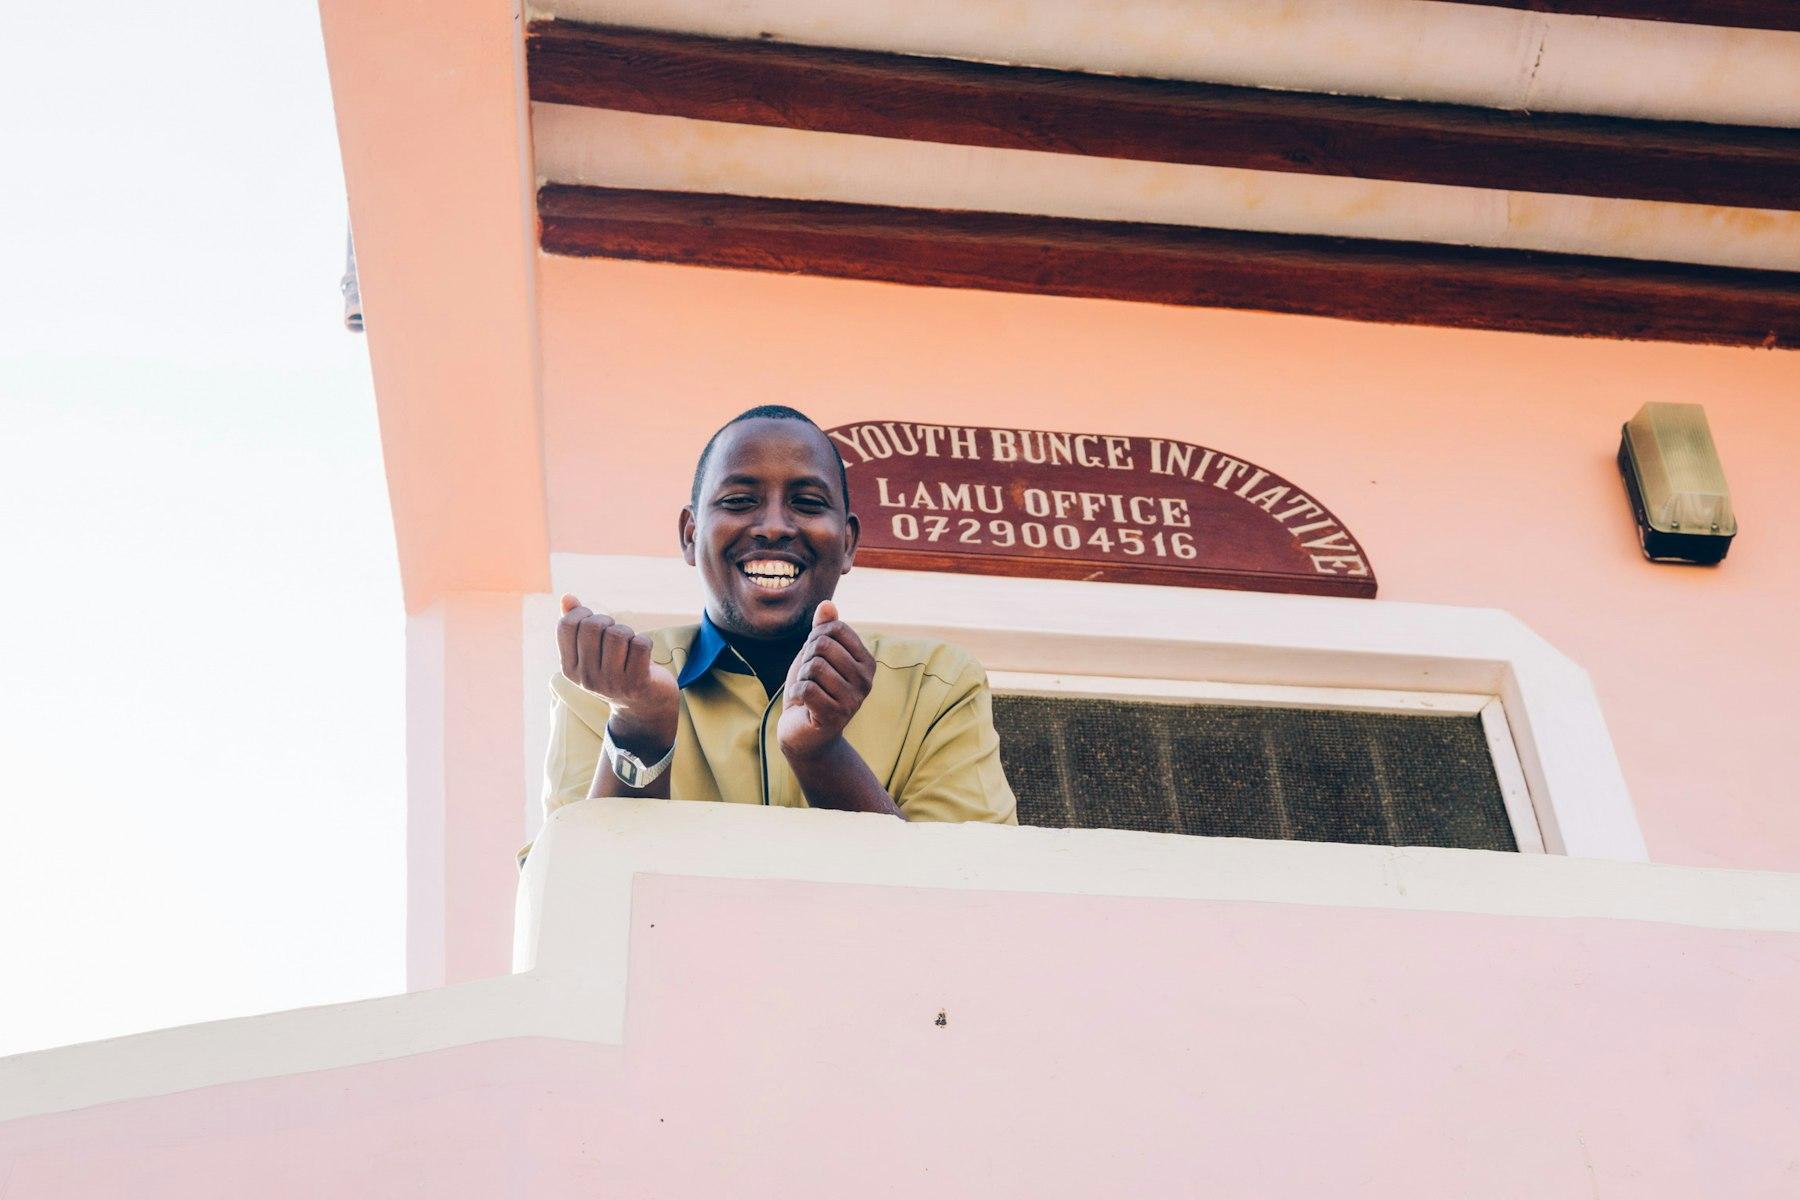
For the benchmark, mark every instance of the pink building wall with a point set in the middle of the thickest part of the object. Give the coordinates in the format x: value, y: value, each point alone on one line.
x: 782, y: 1039
x: 465, y: 700
x: 533, y: 404
x: 437, y: 159
x: 1477, y: 468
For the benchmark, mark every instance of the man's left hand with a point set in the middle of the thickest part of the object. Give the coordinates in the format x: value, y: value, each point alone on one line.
x: 827, y: 684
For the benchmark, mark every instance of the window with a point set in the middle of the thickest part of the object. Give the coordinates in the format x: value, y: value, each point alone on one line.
x: 1289, y: 763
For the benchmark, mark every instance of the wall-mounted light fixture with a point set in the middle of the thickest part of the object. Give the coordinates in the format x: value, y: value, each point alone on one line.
x: 1677, y: 487
x: 352, y: 289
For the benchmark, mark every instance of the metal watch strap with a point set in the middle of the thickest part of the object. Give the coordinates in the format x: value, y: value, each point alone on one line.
x: 631, y: 770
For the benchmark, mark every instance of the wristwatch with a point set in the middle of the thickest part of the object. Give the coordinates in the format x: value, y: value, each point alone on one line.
x: 632, y: 770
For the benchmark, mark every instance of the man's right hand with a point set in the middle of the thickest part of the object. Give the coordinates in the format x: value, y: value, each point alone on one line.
x: 613, y: 662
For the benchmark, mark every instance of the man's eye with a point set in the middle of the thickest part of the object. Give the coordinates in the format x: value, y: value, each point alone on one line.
x: 810, y: 503
x: 738, y: 503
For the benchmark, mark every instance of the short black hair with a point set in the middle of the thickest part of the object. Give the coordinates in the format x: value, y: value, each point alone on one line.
x: 768, y: 412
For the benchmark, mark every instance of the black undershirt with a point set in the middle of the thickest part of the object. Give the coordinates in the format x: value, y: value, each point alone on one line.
x: 769, y: 658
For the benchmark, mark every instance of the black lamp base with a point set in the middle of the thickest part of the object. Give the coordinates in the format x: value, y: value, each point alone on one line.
x: 1702, y: 549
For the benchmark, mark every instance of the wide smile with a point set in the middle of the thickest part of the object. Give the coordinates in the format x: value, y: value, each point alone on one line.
x: 771, y: 574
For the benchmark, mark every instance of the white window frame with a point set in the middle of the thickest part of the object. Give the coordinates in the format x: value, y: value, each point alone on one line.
x: 1515, y: 791
x: 1552, y: 716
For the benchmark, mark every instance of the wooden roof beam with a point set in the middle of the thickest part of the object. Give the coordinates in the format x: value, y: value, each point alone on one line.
x: 980, y: 104
x: 1357, y: 279
x: 1739, y: 14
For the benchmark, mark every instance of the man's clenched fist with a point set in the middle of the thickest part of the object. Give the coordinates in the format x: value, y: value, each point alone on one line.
x: 827, y: 684
x: 613, y: 662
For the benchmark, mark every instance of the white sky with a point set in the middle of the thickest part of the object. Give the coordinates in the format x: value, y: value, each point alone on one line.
x: 201, y: 634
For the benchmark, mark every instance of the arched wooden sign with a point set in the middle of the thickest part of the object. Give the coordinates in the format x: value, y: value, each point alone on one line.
x: 1089, y: 506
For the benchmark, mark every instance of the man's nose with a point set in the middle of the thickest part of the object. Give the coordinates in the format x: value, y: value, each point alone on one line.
x: 773, y: 522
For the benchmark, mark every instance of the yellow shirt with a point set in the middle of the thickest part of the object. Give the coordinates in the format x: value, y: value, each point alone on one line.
x: 926, y: 730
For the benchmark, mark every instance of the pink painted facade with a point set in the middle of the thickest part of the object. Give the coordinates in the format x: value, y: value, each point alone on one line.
x: 796, y: 1004
x: 537, y: 406
x: 1476, y: 467
x: 782, y: 1038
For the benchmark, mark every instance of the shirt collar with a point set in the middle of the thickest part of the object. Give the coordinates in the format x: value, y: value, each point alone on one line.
x: 709, y: 647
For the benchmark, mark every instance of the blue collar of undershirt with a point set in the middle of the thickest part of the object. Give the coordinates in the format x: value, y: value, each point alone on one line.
x: 703, y: 655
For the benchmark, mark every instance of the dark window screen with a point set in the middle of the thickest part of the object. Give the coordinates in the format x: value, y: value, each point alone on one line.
x: 1318, y: 775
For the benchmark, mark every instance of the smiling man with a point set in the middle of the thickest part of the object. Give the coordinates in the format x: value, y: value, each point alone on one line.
x: 772, y: 699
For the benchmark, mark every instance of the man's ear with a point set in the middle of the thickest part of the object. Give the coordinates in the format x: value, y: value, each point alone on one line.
x: 684, y: 530
x: 852, y: 536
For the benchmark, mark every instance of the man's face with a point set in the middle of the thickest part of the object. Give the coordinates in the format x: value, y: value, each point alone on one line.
x: 770, y: 534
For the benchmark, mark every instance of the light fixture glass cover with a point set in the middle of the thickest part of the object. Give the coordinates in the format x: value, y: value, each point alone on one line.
x: 1677, y: 484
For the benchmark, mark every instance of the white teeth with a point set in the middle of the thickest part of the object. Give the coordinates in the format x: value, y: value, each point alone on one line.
x: 771, y: 573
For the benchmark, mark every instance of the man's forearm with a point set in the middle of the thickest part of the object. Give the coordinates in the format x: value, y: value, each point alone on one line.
x: 837, y: 777
x: 607, y: 783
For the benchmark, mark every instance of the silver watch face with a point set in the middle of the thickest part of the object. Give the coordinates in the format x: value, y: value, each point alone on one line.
x: 632, y: 770
x: 628, y: 767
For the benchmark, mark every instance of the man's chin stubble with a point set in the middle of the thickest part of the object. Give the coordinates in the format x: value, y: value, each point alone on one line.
x: 736, y: 622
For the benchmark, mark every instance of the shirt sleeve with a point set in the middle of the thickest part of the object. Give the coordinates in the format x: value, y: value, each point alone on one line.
x: 577, y: 723
x: 957, y: 774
